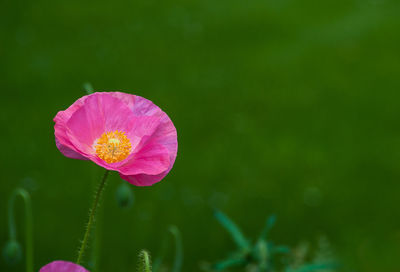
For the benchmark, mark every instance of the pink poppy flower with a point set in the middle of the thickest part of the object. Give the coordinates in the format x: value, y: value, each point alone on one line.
x: 120, y: 132
x: 62, y: 266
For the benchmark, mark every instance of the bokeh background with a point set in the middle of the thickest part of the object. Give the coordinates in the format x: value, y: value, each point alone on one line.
x: 285, y: 107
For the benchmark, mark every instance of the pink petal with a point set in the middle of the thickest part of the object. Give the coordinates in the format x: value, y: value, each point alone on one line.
x: 69, y: 152
x: 144, y: 180
x: 62, y: 141
x: 62, y: 266
x: 139, y: 105
x: 148, y: 180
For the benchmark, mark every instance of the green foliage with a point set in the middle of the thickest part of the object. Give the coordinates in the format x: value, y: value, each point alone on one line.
x: 265, y: 256
x: 144, y: 264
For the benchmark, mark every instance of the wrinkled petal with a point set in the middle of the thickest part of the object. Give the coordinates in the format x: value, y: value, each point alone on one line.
x: 165, y: 135
x: 144, y: 180
x: 62, y: 266
x: 99, y: 114
x: 62, y: 141
x: 138, y: 105
x: 148, y: 180
x: 69, y: 152
x: 151, y: 160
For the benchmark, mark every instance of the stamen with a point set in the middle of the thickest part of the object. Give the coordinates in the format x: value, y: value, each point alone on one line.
x: 113, y: 146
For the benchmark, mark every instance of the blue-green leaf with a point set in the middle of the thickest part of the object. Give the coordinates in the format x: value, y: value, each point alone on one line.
x: 222, y: 265
x: 233, y: 230
x: 268, y: 226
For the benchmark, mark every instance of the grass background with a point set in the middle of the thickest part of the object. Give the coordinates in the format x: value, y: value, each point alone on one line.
x: 288, y: 107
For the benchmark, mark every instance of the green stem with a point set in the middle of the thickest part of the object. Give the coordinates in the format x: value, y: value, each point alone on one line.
x: 92, y: 217
x: 28, y: 224
x: 178, y: 249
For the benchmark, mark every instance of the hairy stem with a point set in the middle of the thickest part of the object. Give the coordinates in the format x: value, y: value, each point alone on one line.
x: 144, y: 261
x: 92, y: 217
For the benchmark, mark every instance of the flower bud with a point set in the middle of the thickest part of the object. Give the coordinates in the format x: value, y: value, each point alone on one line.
x: 124, y: 196
x: 12, y: 252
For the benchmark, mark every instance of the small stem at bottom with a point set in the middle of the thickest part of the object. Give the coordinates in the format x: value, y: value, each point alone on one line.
x: 28, y: 224
x: 92, y: 217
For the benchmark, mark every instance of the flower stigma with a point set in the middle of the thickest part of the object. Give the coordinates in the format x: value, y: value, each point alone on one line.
x: 113, y: 146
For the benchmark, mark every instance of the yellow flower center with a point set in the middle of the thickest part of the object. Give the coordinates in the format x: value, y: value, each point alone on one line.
x: 113, y: 146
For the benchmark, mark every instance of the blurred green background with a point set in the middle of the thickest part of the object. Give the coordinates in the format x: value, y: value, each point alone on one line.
x: 282, y: 106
